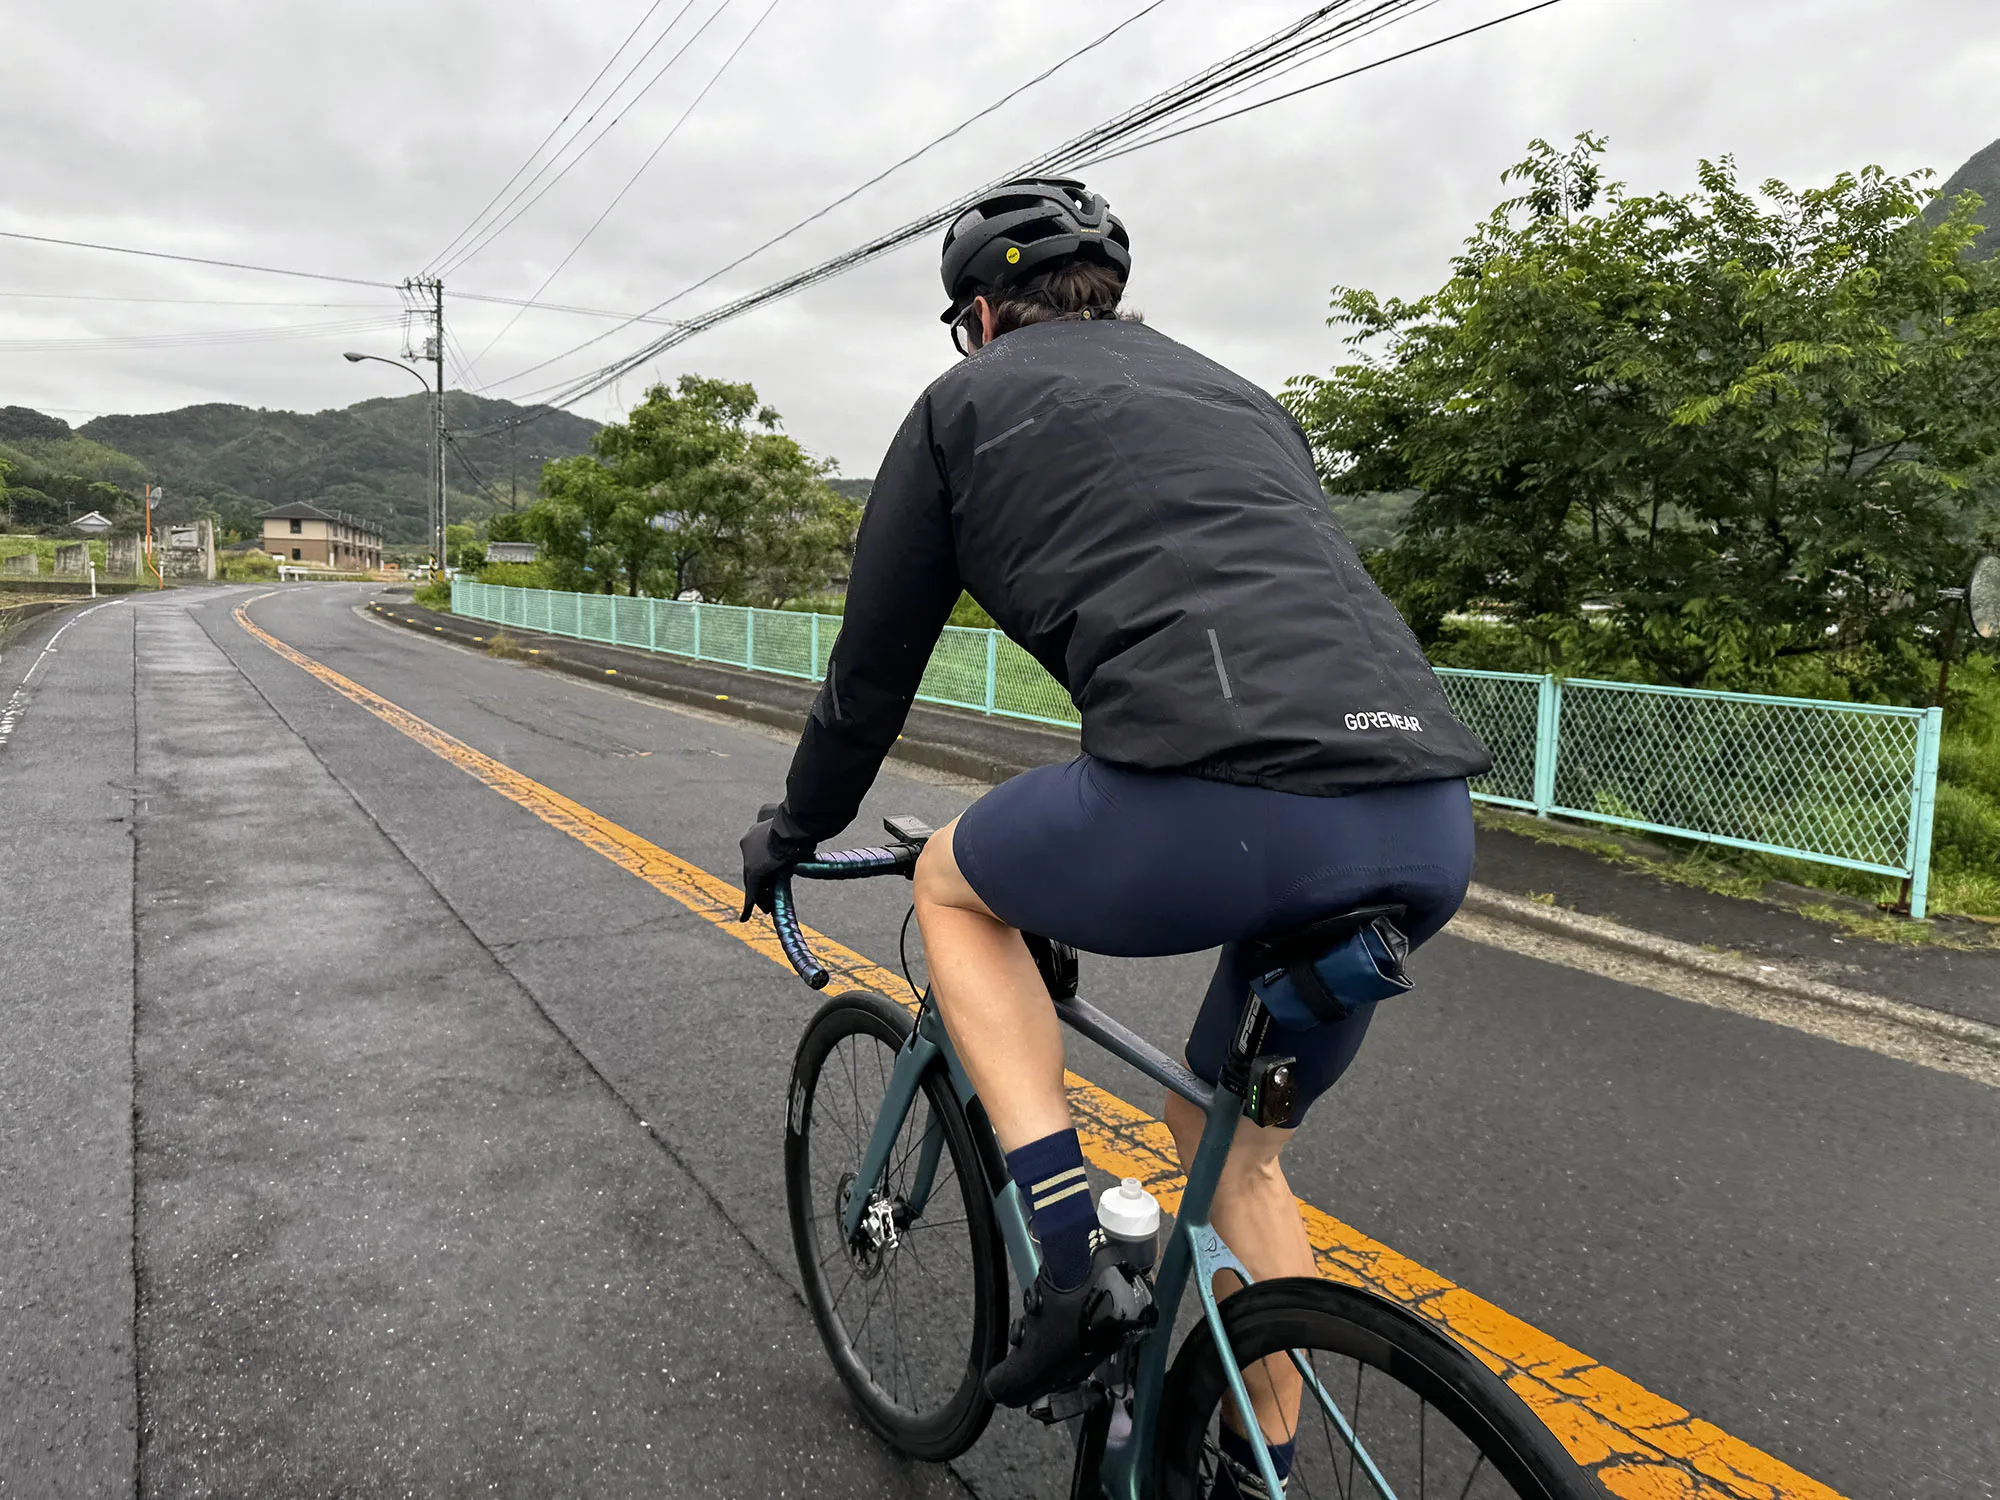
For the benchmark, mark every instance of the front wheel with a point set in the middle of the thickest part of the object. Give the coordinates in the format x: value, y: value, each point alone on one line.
x: 912, y: 1308
x: 1387, y: 1408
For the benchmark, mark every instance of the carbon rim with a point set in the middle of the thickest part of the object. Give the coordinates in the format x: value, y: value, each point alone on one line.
x: 1426, y: 1421
x: 901, y: 1304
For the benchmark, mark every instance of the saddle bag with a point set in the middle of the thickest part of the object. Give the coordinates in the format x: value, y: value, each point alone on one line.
x: 1321, y: 973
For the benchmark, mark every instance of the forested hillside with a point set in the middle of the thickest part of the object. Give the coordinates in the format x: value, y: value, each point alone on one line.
x: 370, y: 458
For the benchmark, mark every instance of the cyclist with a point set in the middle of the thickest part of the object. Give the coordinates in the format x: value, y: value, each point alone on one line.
x: 1263, y: 741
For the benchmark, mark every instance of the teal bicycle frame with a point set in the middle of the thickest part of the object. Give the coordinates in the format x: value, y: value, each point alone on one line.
x: 1194, y: 1253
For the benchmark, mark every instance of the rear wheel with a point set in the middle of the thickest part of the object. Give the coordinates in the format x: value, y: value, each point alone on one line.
x: 912, y: 1309
x: 1391, y: 1410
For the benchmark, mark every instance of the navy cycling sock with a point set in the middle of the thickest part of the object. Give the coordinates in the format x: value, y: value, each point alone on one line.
x: 1056, y: 1189
x: 1239, y: 1478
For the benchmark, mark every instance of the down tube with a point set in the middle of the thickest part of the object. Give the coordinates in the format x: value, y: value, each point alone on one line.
x: 1007, y: 1207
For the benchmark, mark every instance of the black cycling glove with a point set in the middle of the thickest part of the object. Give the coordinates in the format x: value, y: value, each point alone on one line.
x: 768, y: 854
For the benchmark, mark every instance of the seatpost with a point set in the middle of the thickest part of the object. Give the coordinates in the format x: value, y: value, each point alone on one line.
x: 1252, y: 1030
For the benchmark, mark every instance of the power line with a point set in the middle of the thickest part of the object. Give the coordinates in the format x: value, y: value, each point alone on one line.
x: 1526, y: 10
x: 672, y: 131
x: 1333, y: 42
x: 191, y: 340
x: 495, y: 229
x: 185, y: 301
x: 625, y: 319
x: 559, y: 307
x: 1254, y: 61
x: 465, y: 462
x: 1113, y: 137
x: 859, y: 189
x: 193, y: 260
x: 574, y: 107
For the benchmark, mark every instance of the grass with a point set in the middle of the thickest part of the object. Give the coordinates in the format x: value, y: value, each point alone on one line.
x: 246, y: 567
x: 434, y: 595
x: 44, y: 547
x: 1748, y: 877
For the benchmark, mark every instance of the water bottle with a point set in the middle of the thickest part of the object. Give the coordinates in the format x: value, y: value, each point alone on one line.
x: 1130, y: 1218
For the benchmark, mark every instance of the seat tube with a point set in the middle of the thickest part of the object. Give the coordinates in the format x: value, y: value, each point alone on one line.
x: 1127, y: 1472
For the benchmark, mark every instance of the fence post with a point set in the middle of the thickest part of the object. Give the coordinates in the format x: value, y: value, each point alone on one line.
x: 812, y: 662
x: 1923, y: 806
x: 750, y: 639
x: 992, y: 665
x: 1548, y: 730
x: 696, y: 607
x: 652, y: 624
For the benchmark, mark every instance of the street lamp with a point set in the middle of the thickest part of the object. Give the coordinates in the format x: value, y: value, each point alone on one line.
x: 437, y: 448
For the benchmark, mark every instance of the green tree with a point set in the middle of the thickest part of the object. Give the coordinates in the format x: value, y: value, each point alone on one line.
x: 696, y: 489
x: 1746, y: 430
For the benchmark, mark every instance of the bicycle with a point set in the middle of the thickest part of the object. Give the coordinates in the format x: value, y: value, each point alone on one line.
x: 877, y: 1192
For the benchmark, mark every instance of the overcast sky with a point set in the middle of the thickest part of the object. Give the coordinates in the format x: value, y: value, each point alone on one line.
x: 358, y: 138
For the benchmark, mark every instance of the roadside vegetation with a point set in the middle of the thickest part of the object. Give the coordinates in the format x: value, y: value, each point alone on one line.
x: 1733, y: 439
x: 44, y: 548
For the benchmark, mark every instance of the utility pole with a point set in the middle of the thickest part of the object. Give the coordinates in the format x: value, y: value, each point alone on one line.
x: 513, y: 473
x: 428, y: 293
x: 437, y: 351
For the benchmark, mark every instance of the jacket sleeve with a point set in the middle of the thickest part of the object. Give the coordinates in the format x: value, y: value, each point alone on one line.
x: 900, y: 592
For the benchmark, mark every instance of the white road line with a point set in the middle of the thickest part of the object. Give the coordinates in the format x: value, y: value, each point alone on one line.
x: 17, y: 704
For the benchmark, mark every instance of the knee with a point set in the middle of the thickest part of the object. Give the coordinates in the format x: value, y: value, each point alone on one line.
x: 936, y: 882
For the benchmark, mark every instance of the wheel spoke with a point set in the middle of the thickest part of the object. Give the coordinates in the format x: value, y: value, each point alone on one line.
x: 1477, y: 1464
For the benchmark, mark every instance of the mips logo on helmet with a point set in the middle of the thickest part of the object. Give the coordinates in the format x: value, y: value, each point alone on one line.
x: 1407, y: 722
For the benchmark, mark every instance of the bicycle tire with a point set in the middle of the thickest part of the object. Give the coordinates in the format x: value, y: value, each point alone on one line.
x: 975, y: 1299
x: 1358, y: 1330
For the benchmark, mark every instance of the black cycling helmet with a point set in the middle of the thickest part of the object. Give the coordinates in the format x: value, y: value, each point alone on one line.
x: 1025, y: 228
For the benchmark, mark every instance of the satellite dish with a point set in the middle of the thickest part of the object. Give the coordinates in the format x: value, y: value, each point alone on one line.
x: 1982, y: 597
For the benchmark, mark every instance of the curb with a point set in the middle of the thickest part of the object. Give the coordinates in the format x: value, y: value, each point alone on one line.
x: 14, y: 616
x: 1034, y: 747
x: 1774, y: 978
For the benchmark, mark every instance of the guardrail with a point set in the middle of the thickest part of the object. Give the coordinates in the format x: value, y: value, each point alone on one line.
x: 1844, y: 784
x: 289, y: 574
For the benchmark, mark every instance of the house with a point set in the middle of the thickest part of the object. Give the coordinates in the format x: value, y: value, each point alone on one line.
x: 303, y: 533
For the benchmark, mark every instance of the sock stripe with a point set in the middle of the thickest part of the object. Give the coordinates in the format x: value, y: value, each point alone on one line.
x: 1048, y: 1182
x: 1068, y: 1192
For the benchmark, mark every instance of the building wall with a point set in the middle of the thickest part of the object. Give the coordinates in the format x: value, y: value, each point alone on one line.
x: 330, y: 544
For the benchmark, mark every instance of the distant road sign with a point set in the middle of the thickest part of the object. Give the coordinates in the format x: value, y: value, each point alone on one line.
x: 92, y: 523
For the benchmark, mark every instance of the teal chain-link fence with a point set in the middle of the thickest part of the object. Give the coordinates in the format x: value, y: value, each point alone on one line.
x: 1839, y: 783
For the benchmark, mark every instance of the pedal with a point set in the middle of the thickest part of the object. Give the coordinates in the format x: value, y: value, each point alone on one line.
x: 1061, y: 1406
x: 1273, y: 1090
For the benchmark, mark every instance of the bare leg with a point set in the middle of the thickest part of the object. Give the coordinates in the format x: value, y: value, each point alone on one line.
x: 993, y: 1002
x: 1256, y: 1215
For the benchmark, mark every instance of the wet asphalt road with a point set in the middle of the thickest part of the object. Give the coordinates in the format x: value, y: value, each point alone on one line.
x: 386, y: 1041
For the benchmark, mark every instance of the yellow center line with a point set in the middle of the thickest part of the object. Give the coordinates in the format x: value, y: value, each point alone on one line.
x: 1639, y: 1445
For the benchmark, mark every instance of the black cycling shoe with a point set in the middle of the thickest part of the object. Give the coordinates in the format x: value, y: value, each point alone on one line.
x: 1061, y: 1336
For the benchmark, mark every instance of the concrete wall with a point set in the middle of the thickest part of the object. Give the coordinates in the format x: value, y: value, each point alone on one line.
x: 73, y: 560
x: 187, y: 550
x: 20, y: 565
x: 121, y: 556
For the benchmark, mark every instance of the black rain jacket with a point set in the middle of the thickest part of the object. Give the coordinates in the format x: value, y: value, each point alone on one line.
x: 1150, y: 528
